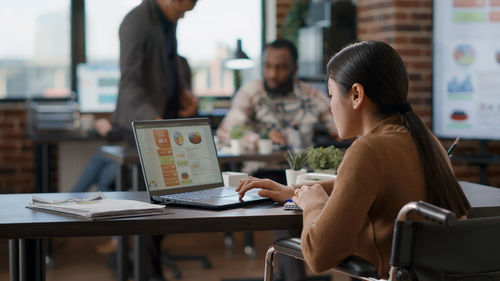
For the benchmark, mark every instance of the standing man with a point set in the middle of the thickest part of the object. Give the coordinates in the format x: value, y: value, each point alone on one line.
x: 151, y: 83
x: 151, y: 86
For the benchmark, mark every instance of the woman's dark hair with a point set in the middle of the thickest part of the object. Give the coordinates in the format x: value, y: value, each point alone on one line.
x: 381, y: 71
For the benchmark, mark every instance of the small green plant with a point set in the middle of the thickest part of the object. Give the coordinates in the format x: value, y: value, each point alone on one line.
x: 238, y: 131
x: 322, y: 158
x: 296, y: 160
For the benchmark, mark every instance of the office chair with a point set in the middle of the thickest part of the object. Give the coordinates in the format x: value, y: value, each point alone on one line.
x: 441, y: 249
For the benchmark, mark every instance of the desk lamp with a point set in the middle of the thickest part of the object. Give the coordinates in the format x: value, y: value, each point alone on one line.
x: 237, y: 62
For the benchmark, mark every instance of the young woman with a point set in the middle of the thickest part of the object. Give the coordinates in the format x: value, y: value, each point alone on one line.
x: 395, y: 160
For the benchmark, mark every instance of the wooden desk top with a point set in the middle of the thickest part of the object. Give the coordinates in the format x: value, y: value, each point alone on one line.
x: 17, y: 221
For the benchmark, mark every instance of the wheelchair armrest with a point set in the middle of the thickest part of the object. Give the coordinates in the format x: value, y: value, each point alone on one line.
x: 435, y: 213
x: 290, y: 247
x: 357, y: 266
x: 352, y: 265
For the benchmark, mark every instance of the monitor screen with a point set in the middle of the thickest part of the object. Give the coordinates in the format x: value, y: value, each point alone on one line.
x: 97, y: 87
x: 466, y: 70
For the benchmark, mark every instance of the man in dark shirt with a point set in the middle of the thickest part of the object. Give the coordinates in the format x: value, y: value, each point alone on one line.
x: 151, y: 84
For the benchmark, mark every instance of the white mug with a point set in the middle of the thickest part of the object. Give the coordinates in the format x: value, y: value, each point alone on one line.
x: 233, y: 178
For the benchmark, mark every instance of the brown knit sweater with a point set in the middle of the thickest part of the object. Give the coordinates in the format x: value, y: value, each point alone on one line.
x: 380, y: 173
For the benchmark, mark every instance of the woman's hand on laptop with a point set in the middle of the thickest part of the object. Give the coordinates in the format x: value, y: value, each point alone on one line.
x: 268, y: 188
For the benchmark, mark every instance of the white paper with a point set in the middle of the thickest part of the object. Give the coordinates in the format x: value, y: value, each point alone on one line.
x: 97, y: 207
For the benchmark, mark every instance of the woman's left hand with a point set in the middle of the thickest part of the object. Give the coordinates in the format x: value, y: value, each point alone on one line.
x: 309, y: 196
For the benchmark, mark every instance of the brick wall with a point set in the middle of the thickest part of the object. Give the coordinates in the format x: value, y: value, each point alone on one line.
x: 282, y: 7
x: 16, y: 151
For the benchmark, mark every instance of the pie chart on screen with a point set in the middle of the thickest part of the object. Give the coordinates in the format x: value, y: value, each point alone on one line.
x: 464, y: 55
x: 459, y: 115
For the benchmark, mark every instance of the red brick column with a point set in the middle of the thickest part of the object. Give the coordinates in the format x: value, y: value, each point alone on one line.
x: 16, y: 151
x: 282, y: 7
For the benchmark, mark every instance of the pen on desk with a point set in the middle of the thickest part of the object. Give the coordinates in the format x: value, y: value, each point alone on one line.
x: 450, y: 150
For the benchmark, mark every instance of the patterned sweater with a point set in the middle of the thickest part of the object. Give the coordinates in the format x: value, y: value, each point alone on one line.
x: 303, y: 107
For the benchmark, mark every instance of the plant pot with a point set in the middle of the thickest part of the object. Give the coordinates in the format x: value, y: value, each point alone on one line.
x: 265, y: 146
x: 291, y: 175
x: 236, y: 147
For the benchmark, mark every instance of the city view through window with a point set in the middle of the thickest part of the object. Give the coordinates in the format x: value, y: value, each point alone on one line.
x: 35, y: 48
x: 35, y: 54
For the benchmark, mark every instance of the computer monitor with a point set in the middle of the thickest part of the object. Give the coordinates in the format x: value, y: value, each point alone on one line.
x: 97, y: 87
x: 466, y: 70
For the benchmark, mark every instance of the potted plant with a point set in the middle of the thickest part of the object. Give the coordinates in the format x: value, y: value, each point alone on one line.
x: 297, y: 162
x: 265, y: 144
x: 324, y: 160
x: 237, y: 133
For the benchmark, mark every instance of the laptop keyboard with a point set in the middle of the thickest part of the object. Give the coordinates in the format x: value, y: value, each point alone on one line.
x: 202, y: 194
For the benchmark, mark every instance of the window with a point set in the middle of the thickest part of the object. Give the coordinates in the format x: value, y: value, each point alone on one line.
x: 36, y: 60
x: 207, y: 35
x: 35, y: 48
x: 102, y: 22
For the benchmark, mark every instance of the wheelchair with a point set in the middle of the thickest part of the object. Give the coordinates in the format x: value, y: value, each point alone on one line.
x: 442, y: 248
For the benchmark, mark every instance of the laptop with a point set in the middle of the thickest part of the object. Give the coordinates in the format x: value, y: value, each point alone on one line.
x: 180, y: 165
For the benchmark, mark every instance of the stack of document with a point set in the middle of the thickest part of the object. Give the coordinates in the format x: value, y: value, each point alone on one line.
x: 97, y: 207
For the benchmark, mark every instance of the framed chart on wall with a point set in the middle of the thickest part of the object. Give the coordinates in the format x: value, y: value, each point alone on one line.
x: 466, y: 69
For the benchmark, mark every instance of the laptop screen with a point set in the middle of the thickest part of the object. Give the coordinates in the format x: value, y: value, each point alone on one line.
x: 177, y: 155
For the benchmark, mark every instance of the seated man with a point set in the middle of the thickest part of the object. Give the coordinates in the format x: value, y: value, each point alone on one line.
x: 286, y: 110
x: 280, y: 106
x: 100, y: 170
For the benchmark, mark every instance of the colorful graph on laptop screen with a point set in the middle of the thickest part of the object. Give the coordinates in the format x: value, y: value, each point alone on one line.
x: 178, y: 156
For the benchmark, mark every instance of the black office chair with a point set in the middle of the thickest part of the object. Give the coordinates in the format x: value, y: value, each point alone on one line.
x: 442, y: 249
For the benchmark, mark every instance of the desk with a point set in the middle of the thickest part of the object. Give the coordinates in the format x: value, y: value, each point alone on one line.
x: 25, y: 227
x: 42, y: 153
x: 124, y: 156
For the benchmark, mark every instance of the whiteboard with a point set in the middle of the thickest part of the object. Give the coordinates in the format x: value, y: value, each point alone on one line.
x: 466, y: 69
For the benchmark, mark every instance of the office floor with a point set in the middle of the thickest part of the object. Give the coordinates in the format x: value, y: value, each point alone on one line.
x: 76, y: 259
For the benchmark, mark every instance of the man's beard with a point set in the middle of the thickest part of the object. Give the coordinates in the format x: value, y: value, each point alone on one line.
x: 282, y: 88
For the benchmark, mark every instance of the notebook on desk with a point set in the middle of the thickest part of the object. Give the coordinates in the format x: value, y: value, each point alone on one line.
x: 180, y: 165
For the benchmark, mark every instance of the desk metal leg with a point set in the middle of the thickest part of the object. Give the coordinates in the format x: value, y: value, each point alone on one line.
x: 42, y: 164
x: 118, y: 179
x: 140, y: 258
x: 14, y: 259
x: 483, y: 174
x: 32, y: 260
x: 122, y: 258
x: 135, y: 178
x: 249, y: 248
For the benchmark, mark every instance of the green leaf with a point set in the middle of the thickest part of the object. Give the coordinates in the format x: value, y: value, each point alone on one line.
x: 296, y: 160
x: 322, y: 158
